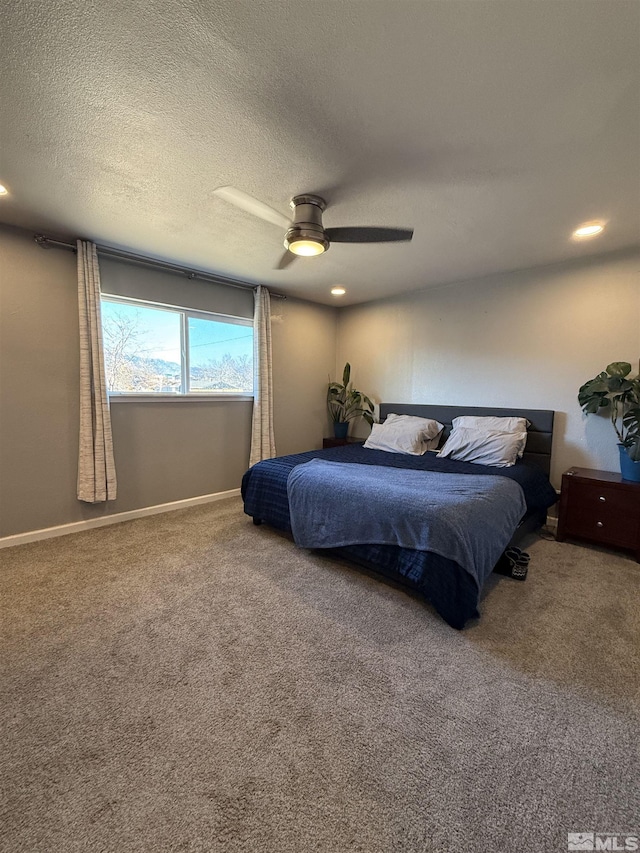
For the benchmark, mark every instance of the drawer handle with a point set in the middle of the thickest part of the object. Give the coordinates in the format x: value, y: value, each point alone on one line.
x: 599, y: 524
x: 601, y: 498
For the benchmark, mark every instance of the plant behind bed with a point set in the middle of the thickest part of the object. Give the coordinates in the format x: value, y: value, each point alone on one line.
x: 345, y: 403
x: 619, y: 393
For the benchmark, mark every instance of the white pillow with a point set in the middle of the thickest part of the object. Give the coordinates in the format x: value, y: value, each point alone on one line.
x: 429, y: 427
x: 399, y: 436
x: 498, y: 449
x: 491, y: 424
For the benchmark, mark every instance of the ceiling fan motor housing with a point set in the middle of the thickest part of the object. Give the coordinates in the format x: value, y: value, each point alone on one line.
x: 307, y: 221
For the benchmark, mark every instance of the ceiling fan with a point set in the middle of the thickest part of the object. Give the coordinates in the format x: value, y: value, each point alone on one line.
x: 305, y: 234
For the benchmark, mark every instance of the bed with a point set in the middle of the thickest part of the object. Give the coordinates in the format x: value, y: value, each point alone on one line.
x: 447, y: 584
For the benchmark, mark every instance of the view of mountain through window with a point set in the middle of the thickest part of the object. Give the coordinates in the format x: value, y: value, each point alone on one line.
x: 155, y: 350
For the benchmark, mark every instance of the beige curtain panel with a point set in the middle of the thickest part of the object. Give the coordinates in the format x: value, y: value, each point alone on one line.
x: 262, y: 439
x: 96, y: 469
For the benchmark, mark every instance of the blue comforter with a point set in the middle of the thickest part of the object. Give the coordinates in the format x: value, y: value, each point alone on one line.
x: 443, y: 582
x: 463, y: 517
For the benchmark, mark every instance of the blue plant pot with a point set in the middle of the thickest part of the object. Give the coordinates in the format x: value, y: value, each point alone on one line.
x: 340, y: 430
x: 629, y: 469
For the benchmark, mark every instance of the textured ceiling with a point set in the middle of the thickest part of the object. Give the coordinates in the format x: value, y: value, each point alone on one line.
x: 493, y: 128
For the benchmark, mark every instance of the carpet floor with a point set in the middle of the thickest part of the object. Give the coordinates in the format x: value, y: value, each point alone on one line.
x: 190, y: 682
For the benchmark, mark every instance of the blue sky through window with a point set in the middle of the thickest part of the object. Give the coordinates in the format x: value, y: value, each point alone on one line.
x: 210, y: 340
x: 157, y: 332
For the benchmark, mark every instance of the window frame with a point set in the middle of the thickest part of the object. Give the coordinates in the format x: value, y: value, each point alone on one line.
x: 185, y: 314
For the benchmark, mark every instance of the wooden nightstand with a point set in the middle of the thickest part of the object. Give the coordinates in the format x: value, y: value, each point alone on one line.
x: 601, y: 507
x: 338, y: 442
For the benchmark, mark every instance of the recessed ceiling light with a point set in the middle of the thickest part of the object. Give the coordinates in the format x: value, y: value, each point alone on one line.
x: 338, y: 291
x: 588, y: 229
x: 3, y: 190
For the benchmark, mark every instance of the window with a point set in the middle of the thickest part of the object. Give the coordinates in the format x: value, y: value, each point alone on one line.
x: 157, y: 349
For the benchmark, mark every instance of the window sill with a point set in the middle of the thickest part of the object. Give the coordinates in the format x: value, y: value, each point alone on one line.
x: 180, y: 398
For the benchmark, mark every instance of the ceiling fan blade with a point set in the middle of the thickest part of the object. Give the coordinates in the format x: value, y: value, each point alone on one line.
x: 287, y: 259
x: 251, y: 205
x: 369, y: 235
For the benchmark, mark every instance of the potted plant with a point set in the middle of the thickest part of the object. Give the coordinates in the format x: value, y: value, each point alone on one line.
x: 345, y: 404
x: 618, y: 392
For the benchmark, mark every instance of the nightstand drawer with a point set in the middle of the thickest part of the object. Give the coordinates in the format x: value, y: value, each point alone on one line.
x: 603, y: 517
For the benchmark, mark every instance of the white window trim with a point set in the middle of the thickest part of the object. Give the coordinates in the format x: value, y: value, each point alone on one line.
x: 133, y: 397
x: 185, y: 315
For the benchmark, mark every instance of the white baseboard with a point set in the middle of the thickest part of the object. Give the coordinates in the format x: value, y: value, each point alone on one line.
x: 115, y: 518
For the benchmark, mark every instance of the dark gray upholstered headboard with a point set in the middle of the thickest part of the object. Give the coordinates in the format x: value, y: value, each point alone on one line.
x: 540, y: 433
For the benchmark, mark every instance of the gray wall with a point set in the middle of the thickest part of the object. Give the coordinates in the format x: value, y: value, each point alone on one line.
x: 164, y: 451
x: 525, y: 339
x: 304, y: 351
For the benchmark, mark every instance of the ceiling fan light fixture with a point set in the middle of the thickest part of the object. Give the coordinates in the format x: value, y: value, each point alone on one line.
x: 306, y: 236
x: 306, y: 240
x: 306, y: 247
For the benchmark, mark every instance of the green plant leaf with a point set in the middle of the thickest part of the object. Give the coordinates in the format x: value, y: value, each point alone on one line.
x: 619, y: 368
x: 346, y: 375
x: 631, y: 422
x: 592, y: 404
x: 598, y: 385
x: 592, y: 396
x: 619, y: 385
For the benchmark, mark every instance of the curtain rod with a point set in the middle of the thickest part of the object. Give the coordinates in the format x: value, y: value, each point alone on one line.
x: 50, y: 243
